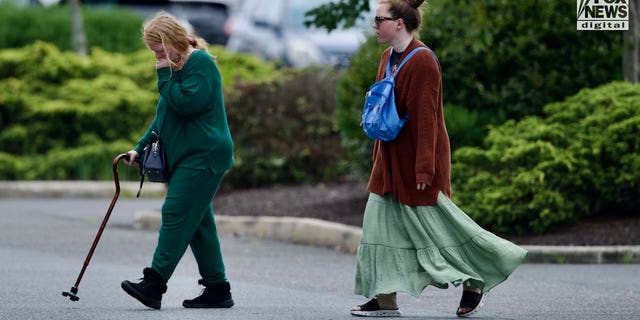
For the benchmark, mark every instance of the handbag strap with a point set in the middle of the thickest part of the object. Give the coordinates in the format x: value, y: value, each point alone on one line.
x: 140, y: 189
x: 141, y: 163
x: 414, y: 51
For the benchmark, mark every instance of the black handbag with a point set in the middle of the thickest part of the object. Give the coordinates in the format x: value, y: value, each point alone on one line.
x: 153, y: 163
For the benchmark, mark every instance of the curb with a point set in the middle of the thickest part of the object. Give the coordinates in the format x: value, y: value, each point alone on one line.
x: 583, y: 254
x: 306, y: 231
x: 76, y: 189
x: 345, y: 238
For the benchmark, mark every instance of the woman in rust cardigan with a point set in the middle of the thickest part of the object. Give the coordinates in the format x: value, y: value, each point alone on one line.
x: 412, y: 234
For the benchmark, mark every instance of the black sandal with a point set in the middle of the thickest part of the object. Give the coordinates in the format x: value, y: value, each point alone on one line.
x: 372, y: 309
x: 472, y: 300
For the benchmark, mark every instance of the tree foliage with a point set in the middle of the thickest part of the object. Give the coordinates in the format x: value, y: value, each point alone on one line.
x: 514, y: 57
x: 510, y: 57
x: 500, y: 59
x: 337, y: 14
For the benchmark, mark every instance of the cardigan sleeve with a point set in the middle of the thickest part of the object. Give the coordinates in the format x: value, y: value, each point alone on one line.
x: 144, y: 140
x: 424, y: 98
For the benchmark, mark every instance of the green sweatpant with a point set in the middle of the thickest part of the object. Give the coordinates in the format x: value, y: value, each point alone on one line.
x: 187, y: 219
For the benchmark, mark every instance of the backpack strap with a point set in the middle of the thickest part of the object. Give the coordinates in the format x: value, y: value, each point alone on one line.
x: 414, y: 51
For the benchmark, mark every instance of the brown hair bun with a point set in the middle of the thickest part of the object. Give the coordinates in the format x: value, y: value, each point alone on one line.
x: 415, y: 3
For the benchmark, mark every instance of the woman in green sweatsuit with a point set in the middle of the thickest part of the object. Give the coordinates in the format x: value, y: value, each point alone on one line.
x: 192, y: 124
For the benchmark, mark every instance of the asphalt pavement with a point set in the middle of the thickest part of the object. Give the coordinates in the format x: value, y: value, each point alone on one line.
x: 44, y: 242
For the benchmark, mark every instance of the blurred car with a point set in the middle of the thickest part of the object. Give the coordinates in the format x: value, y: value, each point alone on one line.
x: 33, y: 3
x: 205, y: 18
x: 208, y: 18
x: 275, y: 30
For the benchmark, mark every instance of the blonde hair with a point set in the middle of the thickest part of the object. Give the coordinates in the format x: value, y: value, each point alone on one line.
x: 164, y: 29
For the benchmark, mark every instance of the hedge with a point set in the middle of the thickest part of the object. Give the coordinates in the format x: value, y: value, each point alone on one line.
x: 581, y: 158
x: 63, y: 116
x: 112, y: 29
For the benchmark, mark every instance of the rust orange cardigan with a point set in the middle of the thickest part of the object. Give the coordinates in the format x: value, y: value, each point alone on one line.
x: 421, y: 152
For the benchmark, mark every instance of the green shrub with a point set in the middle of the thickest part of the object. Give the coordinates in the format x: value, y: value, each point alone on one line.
x: 582, y: 158
x: 57, y: 98
x: 115, y: 30
x: 242, y: 67
x: 63, y: 116
x: 9, y: 166
x: 352, y: 86
x: 91, y: 162
x: 283, y: 131
x: 465, y: 127
x: 12, y: 104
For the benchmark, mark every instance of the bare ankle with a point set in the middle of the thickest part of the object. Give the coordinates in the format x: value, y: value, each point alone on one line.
x: 387, y: 301
x: 466, y: 287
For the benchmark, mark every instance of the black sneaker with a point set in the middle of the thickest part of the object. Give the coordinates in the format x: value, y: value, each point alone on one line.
x: 215, y: 295
x: 149, y: 291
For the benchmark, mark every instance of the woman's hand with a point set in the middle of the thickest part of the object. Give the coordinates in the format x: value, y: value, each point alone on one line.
x: 184, y: 60
x: 162, y: 63
x: 133, y: 155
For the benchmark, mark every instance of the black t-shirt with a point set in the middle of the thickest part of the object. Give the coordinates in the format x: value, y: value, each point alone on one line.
x: 394, y: 59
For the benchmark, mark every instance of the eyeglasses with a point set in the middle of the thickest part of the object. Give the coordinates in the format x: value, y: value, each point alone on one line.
x: 378, y: 20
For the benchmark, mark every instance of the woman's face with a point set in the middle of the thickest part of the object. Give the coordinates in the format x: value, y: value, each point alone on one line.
x: 158, y: 50
x: 385, y: 27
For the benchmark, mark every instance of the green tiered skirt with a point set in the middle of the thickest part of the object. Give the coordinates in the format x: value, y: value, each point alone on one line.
x: 405, y: 249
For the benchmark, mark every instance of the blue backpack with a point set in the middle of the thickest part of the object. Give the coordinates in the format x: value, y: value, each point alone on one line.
x: 380, y: 119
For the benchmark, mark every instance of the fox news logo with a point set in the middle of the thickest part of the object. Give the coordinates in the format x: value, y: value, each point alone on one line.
x: 603, y: 14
